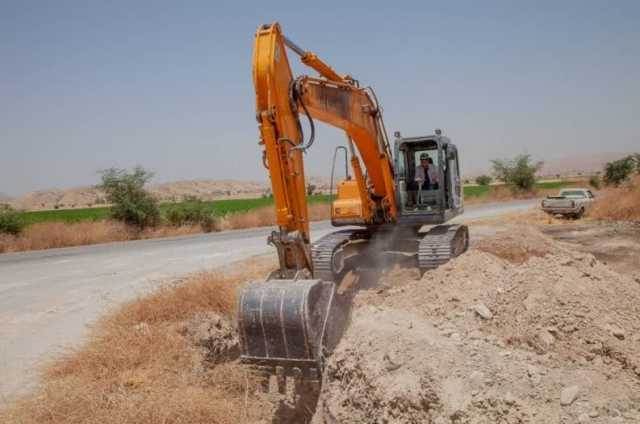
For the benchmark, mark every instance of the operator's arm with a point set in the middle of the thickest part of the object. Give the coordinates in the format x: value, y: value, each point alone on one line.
x: 433, y: 174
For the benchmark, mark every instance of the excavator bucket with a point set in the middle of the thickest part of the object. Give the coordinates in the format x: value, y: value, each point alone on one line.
x: 285, y: 322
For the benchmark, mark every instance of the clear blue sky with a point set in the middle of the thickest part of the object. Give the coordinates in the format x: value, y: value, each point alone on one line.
x: 86, y: 85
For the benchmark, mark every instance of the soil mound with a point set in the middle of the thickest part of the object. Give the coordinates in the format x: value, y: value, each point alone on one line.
x: 518, y: 247
x: 520, y: 329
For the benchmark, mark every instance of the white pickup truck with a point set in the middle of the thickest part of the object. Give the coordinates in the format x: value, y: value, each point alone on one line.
x: 571, y: 202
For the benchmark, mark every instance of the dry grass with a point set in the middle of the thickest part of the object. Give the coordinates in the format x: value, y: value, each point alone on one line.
x: 266, y: 216
x: 618, y: 204
x: 504, y: 194
x: 139, y: 367
x: 49, y: 235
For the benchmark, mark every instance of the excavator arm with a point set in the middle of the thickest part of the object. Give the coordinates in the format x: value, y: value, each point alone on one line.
x: 284, y: 320
x: 335, y: 100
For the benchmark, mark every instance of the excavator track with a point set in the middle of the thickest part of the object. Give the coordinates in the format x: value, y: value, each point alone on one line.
x: 441, y: 244
x: 328, y: 253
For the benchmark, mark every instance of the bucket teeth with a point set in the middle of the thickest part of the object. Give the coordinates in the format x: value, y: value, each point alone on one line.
x: 287, y: 379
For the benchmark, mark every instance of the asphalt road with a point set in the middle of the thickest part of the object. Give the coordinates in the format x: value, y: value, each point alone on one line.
x: 47, y: 298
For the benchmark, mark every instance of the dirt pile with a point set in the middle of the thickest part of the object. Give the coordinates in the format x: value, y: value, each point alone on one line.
x: 513, y: 331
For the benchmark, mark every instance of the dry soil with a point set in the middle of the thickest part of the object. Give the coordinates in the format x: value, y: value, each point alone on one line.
x: 520, y: 329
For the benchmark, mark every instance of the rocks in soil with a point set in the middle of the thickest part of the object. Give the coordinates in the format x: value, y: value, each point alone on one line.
x: 546, y: 339
x: 568, y: 395
x: 617, y: 332
x: 482, y: 310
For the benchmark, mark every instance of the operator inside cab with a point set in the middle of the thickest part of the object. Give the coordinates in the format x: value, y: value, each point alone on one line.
x: 426, y: 173
x: 425, y: 178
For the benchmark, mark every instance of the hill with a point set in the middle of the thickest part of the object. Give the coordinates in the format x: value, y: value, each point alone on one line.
x: 579, y: 164
x: 84, y: 197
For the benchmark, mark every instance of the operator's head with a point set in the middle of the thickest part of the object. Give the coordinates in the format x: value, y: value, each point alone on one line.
x: 424, y: 159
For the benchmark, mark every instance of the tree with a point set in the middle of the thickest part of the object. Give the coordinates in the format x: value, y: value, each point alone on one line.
x: 11, y: 220
x: 311, y: 188
x: 594, y: 181
x: 131, y: 203
x: 519, y: 173
x: 483, y: 180
x: 619, y: 170
x: 192, y: 211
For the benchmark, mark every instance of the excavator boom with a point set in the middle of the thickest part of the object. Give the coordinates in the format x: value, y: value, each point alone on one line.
x: 335, y: 100
x: 283, y: 321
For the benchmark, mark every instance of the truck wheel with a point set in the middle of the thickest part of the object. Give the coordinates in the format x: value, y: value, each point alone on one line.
x: 580, y: 213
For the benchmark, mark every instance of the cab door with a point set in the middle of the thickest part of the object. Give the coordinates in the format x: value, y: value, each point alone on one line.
x: 456, y: 197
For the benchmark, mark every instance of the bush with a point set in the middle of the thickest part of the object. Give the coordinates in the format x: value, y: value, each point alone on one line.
x: 483, y: 180
x: 311, y: 188
x: 132, y: 204
x: 192, y: 211
x: 519, y: 173
x: 594, y: 181
x: 619, y: 170
x: 11, y: 220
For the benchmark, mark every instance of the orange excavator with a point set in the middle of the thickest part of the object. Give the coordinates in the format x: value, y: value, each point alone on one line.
x: 285, y: 321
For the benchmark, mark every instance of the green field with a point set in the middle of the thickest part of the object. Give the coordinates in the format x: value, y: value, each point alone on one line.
x: 223, y: 207
x: 475, y: 191
x: 217, y: 207
x: 478, y: 190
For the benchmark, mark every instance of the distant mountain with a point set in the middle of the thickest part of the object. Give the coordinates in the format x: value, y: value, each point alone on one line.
x: 578, y: 164
x: 583, y: 163
x: 4, y: 197
x: 86, y: 197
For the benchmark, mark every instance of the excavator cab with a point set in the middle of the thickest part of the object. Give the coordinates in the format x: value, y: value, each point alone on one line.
x: 428, y: 189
